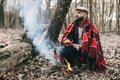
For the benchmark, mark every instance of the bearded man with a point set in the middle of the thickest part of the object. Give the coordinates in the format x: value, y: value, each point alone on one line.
x: 81, y: 43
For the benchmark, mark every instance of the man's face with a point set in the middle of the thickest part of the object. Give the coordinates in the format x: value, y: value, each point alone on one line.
x: 79, y: 14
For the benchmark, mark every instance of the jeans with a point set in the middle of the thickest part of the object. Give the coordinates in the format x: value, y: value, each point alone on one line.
x: 72, y: 55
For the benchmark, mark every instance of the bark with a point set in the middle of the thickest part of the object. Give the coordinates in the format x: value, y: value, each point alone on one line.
x: 1, y: 13
x: 14, y: 54
x: 118, y: 17
x: 14, y: 20
x: 14, y: 49
x: 76, y: 4
x: 91, y: 13
x: 96, y: 14
x: 17, y: 23
x: 6, y: 19
x: 87, y: 3
x: 103, y: 27
x: 100, y: 19
x: 81, y: 3
x: 58, y: 19
x: 110, y: 14
x: 48, y: 9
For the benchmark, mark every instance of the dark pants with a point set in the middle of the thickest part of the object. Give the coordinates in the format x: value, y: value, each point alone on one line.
x: 73, y: 56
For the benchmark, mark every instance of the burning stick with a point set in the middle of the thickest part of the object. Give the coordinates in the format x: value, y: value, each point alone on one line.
x: 68, y: 65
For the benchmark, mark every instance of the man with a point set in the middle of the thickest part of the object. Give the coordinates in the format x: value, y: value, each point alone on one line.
x: 81, y: 43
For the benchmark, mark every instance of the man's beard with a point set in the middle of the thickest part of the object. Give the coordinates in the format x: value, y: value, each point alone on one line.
x: 80, y: 19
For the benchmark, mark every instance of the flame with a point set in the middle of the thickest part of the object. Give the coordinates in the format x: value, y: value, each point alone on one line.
x: 68, y: 65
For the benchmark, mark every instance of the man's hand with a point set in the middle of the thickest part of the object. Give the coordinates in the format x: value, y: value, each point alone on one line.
x: 77, y: 46
x: 67, y: 42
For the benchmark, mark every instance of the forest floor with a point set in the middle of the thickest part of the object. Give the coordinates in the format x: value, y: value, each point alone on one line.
x: 38, y: 68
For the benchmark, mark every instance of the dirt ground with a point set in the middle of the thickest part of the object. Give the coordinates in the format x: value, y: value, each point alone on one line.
x: 38, y: 68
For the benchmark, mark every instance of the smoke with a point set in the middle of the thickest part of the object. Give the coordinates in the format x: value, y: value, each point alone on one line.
x: 33, y: 15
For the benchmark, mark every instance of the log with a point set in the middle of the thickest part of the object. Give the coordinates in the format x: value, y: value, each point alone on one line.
x: 13, y: 52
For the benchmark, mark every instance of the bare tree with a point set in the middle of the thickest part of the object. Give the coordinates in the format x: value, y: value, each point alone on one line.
x: 87, y: 3
x: 91, y: 13
x: 110, y: 14
x: 1, y: 14
x: 118, y: 17
x: 48, y: 10
x: 81, y: 3
x: 103, y: 27
x: 95, y: 13
x: 58, y: 19
x: 6, y: 19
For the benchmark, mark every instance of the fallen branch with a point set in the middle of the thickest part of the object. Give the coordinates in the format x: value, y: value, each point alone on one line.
x: 13, y: 55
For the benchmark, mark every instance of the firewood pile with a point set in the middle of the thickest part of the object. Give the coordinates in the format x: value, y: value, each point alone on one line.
x: 39, y: 68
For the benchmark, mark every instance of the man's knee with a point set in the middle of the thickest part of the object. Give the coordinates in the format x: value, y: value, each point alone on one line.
x: 63, y: 50
x: 67, y: 50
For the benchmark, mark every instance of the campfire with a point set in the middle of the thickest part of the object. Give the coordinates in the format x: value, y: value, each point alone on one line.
x: 68, y: 65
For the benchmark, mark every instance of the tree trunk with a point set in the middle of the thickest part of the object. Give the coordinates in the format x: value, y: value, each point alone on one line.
x: 96, y: 14
x: 47, y: 17
x: 14, y: 20
x: 119, y: 17
x: 58, y: 19
x: 110, y: 14
x: 1, y: 14
x: 87, y: 3
x: 116, y: 16
x: 81, y: 3
x: 76, y: 4
x: 103, y: 27
x: 18, y: 23
x: 99, y: 17
x: 6, y: 19
x: 91, y: 13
